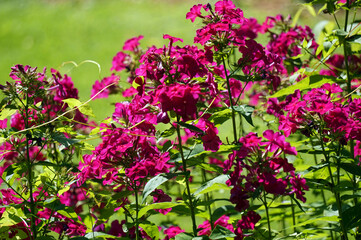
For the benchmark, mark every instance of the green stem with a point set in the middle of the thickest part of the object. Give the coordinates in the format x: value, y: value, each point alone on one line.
x: 346, y: 53
x: 136, y: 213
x: 352, y: 144
x: 268, y: 218
x: 335, y: 193
x: 4, y: 181
x: 293, y: 215
x: 322, y: 191
x: 207, y: 198
x: 283, y: 221
x: 191, y: 206
x: 30, y: 177
x: 231, y: 101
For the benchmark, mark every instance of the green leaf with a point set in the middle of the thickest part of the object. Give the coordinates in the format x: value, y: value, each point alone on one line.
x: 219, y: 182
x: 45, y: 163
x: 94, y: 235
x: 155, y: 182
x: 211, y: 167
x: 11, y: 216
x: 220, y: 232
x: 354, y: 39
x: 69, y: 213
x: 352, y: 216
x: 135, y: 84
x: 331, y: 7
x: 161, y: 205
x: 228, y: 148
x: 97, y: 130
x: 298, y: 203
x: 89, y: 221
x: 351, y: 168
x: 151, y: 229
x: 184, y: 236
x: 350, y: 196
x: 60, y: 138
x: 190, y: 153
x: 218, y: 118
x: 243, y: 78
x: 190, y: 127
x: 46, y: 237
x: 223, y: 210
x: 340, y: 33
x: 318, y: 183
x: 6, y: 112
x: 14, y: 171
x: 246, y: 111
x: 314, y: 81
x: 168, y: 132
x: 83, y: 108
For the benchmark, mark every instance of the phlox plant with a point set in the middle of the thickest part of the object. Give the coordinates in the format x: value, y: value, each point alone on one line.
x: 224, y: 139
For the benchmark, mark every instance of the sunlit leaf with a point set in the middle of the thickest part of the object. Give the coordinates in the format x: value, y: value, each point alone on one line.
x: 246, y: 111
x: 220, y: 232
x: 314, y: 81
x: 219, y: 182
x: 151, y: 229
x: 155, y: 182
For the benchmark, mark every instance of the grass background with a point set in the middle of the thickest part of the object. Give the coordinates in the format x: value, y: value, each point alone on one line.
x: 47, y: 33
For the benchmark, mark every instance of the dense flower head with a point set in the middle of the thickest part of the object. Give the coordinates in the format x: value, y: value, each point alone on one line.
x: 173, y: 63
x: 320, y: 107
x: 221, y: 26
x: 266, y: 170
x: 124, y: 150
x: 180, y: 98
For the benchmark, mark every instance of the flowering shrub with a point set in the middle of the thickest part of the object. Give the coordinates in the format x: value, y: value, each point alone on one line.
x: 220, y: 133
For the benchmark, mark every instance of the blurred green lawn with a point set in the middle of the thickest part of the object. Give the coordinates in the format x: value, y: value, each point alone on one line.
x: 48, y: 33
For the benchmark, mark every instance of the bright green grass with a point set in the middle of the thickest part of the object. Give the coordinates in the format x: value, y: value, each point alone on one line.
x: 49, y: 33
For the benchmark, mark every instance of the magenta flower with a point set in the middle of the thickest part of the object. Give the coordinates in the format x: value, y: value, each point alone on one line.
x: 3, y: 123
x: 110, y: 85
x: 249, y: 221
x: 223, y: 6
x: 182, y: 99
x: 277, y: 142
x: 299, y: 186
x: 273, y: 185
x: 172, y: 39
x: 205, y: 227
x: 132, y: 44
x: 120, y: 62
x: 210, y: 139
x: 194, y: 12
x: 172, y: 231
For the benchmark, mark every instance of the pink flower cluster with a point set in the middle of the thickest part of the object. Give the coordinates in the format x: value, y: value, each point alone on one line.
x: 130, y: 151
x: 266, y: 169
